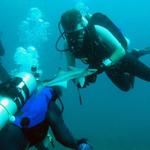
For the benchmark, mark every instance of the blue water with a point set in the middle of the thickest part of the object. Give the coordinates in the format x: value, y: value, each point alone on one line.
x: 109, y: 118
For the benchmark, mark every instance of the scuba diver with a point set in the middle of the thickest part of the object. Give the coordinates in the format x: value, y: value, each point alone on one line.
x: 3, y: 73
x: 34, y: 110
x: 97, y: 42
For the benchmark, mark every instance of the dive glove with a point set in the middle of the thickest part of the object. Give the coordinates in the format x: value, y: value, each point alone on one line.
x: 83, y: 145
x: 88, y: 80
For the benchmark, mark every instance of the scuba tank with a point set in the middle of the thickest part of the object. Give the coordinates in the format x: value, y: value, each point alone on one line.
x: 13, y: 95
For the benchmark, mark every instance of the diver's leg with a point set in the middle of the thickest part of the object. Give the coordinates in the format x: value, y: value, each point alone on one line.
x: 59, y: 128
x: 120, y: 79
x: 136, y: 67
x: 140, y: 52
x: 4, y: 76
x: 130, y: 67
x: 12, y: 138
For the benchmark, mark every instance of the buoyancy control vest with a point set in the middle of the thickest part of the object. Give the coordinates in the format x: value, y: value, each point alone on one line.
x: 92, y: 48
x: 34, y: 110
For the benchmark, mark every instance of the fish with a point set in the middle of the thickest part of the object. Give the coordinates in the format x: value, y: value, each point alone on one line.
x: 63, y: 77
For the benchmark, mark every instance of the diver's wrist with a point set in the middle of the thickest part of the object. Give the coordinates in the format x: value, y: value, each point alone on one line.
x: 107, y: 62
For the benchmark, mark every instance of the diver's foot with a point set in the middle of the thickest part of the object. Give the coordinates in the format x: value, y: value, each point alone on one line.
x: 138, y: 52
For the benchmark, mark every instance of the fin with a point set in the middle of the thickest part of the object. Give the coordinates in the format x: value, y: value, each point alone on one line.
x: 81, y: 81
x: 139, y: 53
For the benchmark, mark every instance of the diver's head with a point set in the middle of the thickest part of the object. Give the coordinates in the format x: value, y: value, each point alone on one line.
x: 72, y: 20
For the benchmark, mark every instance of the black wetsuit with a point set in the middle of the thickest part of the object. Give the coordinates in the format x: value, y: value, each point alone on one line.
x: 3, y: 73
x: 122, y: 74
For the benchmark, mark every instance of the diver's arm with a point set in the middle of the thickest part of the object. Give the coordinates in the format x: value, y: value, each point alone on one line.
x: 107, y: 38
x: 59, y: 128
x: 69, y: 56
x: 70, y: 59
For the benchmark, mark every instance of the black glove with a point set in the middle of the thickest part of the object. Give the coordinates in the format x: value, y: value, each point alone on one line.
x: 92, y: 78
x: 83, y: 145
x: 88, y: 80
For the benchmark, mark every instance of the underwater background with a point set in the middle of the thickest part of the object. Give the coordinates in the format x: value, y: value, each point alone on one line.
x: 109, y: 118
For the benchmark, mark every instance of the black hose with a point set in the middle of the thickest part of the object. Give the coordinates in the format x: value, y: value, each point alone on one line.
x: 59, y: 38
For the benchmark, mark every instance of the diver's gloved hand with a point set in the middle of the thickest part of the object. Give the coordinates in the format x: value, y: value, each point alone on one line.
x: 83, y: 145
x: 88, y: 80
